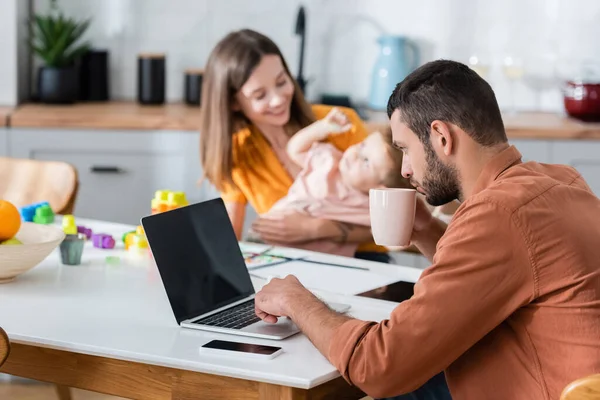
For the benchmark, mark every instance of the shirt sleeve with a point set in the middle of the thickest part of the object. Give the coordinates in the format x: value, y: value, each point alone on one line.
x: 356, y: 134
x: 481, y: 274
x: 231, y: 194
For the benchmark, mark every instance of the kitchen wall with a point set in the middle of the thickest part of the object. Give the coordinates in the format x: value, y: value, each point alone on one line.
x: 13, y: 30
x: 341, y: 45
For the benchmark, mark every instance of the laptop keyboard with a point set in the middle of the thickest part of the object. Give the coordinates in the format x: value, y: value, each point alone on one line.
x: 237, y: 317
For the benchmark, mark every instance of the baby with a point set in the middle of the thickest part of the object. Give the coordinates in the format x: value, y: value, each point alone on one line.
x: 335, y: 185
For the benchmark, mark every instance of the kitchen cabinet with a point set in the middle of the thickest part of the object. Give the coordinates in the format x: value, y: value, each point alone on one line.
x: 533, y: 149
x: 119, y: 171
x: 3, y: 142
x: 583, y: 156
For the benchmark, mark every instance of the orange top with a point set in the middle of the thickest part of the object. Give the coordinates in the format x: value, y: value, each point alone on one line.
x: 510, y: 308
x: 268, y: 180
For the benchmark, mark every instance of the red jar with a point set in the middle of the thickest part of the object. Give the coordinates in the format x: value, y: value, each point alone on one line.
x: 582, y: 99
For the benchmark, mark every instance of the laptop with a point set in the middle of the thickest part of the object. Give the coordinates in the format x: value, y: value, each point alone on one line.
x: 204, y: 274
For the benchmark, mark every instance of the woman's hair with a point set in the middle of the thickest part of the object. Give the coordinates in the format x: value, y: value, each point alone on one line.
x: 229, y: 66
x: 394, y: 178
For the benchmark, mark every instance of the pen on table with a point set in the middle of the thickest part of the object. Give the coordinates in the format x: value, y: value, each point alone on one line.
x: 262, y: 253
x: 331, y: 264
x: 303, y: 259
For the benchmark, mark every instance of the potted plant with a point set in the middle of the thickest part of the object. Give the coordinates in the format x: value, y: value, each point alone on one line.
x: 56, y: 39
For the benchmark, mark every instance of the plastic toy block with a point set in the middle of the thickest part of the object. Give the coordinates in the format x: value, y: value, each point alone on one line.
x: 28, y: 212
x: 68, y: 225
x: 103, y: 241
x: 86, y: 231
x: 43, y: 215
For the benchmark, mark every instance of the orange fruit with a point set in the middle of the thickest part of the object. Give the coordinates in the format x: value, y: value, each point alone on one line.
x: 10, y: 220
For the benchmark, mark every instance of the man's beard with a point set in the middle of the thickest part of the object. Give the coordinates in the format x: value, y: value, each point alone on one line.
x: 440, y: 182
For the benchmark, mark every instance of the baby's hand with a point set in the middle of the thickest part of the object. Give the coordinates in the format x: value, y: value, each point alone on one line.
x: 336, y: 122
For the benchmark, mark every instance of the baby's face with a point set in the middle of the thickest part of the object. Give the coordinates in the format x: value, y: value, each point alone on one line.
x: 364, y: 165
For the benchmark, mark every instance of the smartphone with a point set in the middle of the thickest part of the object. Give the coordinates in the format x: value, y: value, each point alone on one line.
x: 256, y: 351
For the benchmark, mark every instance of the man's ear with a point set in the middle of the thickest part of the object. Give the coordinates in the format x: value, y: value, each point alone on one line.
x: 441, y: 138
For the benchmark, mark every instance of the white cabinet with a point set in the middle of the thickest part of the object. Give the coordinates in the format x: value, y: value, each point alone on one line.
x: 533, y: 150
x: 119, y: 171
x: 583, y: 156
x: 3, y: 142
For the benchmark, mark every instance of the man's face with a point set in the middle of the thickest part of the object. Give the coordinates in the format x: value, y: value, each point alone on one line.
x: 427, y: 173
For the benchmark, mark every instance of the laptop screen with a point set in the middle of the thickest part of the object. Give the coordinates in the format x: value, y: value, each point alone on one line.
x: 198, y: 257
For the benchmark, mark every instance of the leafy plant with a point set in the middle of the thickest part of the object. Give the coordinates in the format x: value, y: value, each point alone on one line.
x: 54, y: 38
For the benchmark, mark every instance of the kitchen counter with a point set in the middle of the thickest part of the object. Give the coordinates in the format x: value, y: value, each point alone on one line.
x: 111, y: 115
x: 130, y: 115
x: 4, y: 113
x: 543, y: 126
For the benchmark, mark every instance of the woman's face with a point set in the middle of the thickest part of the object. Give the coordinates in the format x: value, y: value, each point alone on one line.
x: 266, y: 97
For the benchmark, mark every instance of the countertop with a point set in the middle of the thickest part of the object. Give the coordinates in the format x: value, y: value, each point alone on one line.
x: 527, y: 125
x: 111, y: 115
x: 130, y: 115
x: 4, y: 113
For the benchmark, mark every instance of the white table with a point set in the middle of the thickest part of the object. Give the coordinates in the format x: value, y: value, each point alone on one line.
x: 110, y: 328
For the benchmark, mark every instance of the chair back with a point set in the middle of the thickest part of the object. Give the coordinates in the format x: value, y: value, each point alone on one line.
x: 24, y: 181
x: 587, y: 388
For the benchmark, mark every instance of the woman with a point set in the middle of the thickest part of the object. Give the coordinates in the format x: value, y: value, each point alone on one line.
x: 251, y: 106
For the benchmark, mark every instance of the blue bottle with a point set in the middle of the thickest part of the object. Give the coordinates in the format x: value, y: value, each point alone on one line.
x: 398, y: 57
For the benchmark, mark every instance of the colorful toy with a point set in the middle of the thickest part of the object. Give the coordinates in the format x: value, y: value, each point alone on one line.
x: 137, y: 241
x: 43, y: 215
x: 112, y: 260
x: 126, y: 238
x: 103, y: 241
x: 68, y: 225
x: 166, y: 200
x: 86, y: 231
x: 28, y: 212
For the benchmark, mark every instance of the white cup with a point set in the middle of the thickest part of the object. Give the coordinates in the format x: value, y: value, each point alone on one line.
x: 392, y: 215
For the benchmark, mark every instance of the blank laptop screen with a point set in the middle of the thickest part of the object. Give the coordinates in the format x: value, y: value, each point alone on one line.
x: 199, y: 259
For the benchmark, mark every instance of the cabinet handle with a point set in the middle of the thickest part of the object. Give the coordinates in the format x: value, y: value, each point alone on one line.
x: 101, y: 169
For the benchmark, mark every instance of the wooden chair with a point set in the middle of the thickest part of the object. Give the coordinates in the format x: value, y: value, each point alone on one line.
x: 587, y: 388
x: 4, y: 346
x: 24, y: 181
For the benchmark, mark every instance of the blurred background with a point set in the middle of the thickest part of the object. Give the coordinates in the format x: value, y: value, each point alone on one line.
x: 526, y: 49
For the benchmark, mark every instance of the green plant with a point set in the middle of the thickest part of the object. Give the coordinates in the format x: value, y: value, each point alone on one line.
x: 54, y: 38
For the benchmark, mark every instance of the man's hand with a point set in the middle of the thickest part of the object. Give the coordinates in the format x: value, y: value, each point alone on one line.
x: 423, y: 219
x: 279, y: 297
x: 288, y: 298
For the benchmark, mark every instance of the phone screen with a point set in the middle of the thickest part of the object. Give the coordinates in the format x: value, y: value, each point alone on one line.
x: 241, y: 347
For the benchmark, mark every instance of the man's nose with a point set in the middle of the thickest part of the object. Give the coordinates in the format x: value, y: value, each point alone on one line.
x: 406, y: 168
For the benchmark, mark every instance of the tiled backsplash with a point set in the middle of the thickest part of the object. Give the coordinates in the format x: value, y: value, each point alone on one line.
x: 341, y: 42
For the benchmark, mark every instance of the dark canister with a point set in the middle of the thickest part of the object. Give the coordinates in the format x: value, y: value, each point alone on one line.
x: 94, y: 84
x: 151, y: 78
x: 193, y: 86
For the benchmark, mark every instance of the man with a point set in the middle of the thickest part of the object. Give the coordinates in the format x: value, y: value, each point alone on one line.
x: 510, y: 307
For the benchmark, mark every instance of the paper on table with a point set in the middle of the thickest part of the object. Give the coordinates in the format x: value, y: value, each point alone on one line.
x: 319, y: 277
x: 254, y: 260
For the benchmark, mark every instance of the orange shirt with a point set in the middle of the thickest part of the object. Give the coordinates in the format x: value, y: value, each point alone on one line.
x: 510, y: 308
x: 267, y: 180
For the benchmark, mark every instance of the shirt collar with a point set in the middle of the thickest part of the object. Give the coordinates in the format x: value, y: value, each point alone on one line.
x: 496, y: 166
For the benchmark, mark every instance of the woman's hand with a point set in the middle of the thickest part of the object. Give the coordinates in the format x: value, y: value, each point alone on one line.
x: 287, y: 228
